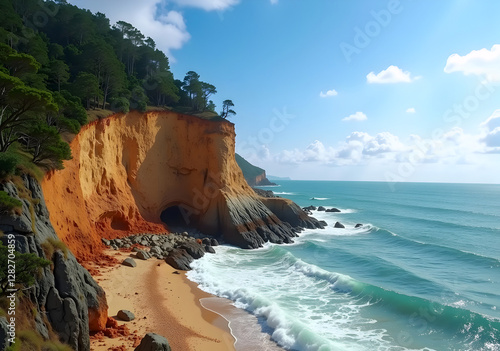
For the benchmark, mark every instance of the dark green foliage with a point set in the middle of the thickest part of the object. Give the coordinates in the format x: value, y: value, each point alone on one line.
x: 8, y: 164
x: 71, y: 43
x: 86, y: 87
x: 45, y: 144
x: 226, y: 109
x: 57, y: 60
x: 8, y: 204
x: 120, y: 104
x: 71, y: 115
x: 18, y: 104
x: 28, y: 267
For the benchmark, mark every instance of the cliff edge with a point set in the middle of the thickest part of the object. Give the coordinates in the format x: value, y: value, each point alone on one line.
x: 147, y: 172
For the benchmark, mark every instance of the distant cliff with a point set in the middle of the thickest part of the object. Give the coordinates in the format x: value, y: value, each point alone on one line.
x: 148, y: 172
x: 254, y: 175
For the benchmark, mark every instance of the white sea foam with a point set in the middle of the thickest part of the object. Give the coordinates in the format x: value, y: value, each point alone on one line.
x: 282, y: 193
x: 303, y: 306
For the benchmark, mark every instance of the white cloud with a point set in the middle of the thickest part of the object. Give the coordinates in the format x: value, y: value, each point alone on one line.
x: 491, y: 132
x: 274, y: 2
x: 382, y: 143
x: 174, y: 18
x: 482, y: 62
x: 393, y: 74
x: 329, y: 93
x: 493, y: 121
x: 358, y: 116
x: 208, y: 5
x: 411, y: 110
x: 360, y: 148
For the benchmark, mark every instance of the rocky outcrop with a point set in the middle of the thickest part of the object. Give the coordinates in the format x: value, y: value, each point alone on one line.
x: 179, y: 259
x: 338, y: 225
x: 3, y: 333
x: 66, y: 297
x: 264, y: 193
x: 178, y: 250
x: 147, y: 172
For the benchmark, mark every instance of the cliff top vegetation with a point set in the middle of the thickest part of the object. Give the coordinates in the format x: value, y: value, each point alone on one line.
x: 60, y: 64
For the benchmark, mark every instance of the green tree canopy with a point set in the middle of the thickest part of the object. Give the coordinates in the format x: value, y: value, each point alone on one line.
x: 226, y: 109
x: 19, y: 104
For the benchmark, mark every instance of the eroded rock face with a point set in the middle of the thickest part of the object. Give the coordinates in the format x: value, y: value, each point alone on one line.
x: 65, y: 295
x: 129, y: 169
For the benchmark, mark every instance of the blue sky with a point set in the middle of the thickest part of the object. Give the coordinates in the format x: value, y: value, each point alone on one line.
x: 343, y: 90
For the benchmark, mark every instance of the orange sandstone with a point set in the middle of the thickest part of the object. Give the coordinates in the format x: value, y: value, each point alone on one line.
x: 127, y: 169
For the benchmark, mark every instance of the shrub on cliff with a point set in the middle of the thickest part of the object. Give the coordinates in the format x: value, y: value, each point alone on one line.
x: 9, y: 204
x: 28, y: 267
x: 52, y: 245
x: 8, y: 164
x: 45, y: 144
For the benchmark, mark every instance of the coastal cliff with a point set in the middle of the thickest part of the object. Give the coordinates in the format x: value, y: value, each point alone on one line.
x: 65, y: 299
x: 147, y: 172
x: 255, y: 176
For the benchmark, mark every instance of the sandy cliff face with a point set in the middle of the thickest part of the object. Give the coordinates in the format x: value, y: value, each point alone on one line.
x: 128, y: 169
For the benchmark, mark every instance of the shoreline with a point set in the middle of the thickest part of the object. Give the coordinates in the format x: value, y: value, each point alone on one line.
x: 163, y: 301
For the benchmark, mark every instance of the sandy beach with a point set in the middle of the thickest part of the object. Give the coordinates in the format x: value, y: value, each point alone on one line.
x: 165, y: 302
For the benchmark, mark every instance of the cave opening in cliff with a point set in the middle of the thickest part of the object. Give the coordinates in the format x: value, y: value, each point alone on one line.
x: 175, y: 217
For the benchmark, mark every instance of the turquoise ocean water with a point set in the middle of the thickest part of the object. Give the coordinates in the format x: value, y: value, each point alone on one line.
x: 423, y: 273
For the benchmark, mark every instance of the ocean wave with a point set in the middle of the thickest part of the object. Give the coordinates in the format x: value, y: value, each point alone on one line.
x: 283, y: 193
x: 443, y: 250
x: 448, y: 316
x: 342, y: 211
x: 284, y: 277
x: 308, y: 329
x: 350, y: 230
x: 437, y: 222
x: 393, y: 202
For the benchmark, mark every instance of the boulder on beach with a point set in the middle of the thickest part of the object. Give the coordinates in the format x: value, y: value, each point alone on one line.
x: 209, y: 249
x: 333, y: 209
x: 339, y: 225
x: 153, y: 342
x: 194, y: 249
x: 142, y: 255
x: 129, y: 262
x: 125, y: 315
x: 179, y: 259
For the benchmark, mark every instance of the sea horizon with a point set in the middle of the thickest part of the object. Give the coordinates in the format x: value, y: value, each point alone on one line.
x: 371, y: 181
